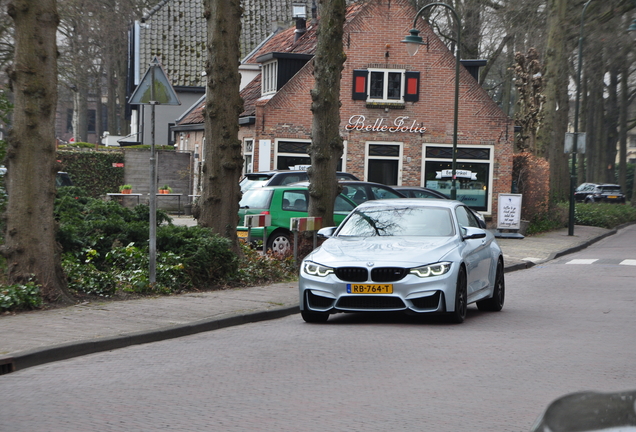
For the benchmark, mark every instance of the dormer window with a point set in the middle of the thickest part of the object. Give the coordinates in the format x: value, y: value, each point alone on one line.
x: 269, y: 78
x: 278, y: 68
x: 386, y: 86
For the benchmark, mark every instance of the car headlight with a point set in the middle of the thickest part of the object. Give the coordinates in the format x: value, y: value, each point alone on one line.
x: 311, y: 268
x: 436, y: 269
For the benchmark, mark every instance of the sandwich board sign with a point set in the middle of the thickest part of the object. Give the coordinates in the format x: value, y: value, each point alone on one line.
x: 509, y: 212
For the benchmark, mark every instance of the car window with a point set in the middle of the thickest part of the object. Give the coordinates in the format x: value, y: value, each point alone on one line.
x: 289, y: 179
x: 398, y: 221
x: 613, y: 189
x: 465, y: 218
x: 256, y: 198
x: 295, y: 201
x: 356, y: 193
x: 383, y: 193
x: 422, y: 194
x: 342, y: 204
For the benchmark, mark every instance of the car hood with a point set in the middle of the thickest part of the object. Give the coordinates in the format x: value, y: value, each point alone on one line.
x: 385, y: 251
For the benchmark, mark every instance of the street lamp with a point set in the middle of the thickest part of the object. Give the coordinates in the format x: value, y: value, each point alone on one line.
x: 576, y: 122
x: 413, y: 42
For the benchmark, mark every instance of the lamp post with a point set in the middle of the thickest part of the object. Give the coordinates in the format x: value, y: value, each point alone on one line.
x: 413, y: 42
x: 576, y: 122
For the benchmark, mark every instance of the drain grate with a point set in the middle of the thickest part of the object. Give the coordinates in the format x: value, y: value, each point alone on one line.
x: 6, y: 366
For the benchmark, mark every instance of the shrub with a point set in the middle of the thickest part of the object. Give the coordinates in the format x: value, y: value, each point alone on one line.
x: 550, y: 220
x: 255, y: 269
x: 206, y: 256
x: 93, y: 170
x: 603, y: 215
x: 20, y: 297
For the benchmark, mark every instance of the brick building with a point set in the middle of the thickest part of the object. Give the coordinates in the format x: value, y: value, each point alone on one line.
x: 397, y: 110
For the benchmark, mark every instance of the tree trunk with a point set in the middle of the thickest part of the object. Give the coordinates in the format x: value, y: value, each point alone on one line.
x: 611, y: 124
x: 223, y: 159
x: 622, y: 137
x: 326, y: 147
x: 80, y: 111
x: 557, y: 101
x: 30, y: 247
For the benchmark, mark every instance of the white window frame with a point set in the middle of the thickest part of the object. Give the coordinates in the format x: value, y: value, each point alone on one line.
x: 491, y: 167
x: 399, y: 158
x: 385, y: 98
x: 269, y: 77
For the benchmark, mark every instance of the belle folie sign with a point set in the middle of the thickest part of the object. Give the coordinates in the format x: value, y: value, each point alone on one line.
x: 359, y: 122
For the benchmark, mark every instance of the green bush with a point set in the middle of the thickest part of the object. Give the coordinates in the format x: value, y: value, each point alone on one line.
x: 603, y: 215
x: 548, y: 220
x: 256, y: 269
x: 20, y: 297
x: 93, y: 170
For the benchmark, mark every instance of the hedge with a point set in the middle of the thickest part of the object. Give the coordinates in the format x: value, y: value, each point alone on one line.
x: 93, y: 171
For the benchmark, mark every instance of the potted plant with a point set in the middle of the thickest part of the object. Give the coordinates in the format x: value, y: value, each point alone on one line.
x: 165, y: 189
x: 125, y: 189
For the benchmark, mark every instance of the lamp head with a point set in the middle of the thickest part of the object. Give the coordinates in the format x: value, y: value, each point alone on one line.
x: 413, y: 41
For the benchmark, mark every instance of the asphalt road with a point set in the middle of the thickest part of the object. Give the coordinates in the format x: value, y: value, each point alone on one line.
x: 568, y: 325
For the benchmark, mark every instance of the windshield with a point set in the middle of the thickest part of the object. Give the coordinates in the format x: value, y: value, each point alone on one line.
x: 251, y: 181
x: 256, y: 199
x: 398, y: 221
x: 612, y: 189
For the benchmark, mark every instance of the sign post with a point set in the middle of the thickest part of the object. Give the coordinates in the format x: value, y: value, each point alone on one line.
x: 154, y: 89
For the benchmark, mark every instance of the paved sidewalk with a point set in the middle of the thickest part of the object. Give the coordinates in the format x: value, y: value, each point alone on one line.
x: 33, y: 338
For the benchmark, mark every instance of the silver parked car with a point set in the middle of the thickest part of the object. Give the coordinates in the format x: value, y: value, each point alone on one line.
x: 410, y: 255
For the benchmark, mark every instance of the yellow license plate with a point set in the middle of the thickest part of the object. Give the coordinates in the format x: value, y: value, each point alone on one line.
x: 242, y: 234
x: 612, y: 196
x: 370, y: 288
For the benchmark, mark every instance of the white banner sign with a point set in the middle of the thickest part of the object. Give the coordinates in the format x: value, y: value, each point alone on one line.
x: 458, y: 173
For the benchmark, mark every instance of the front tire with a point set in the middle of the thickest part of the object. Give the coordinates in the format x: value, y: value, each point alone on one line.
x: 461, y: 298
x: 496, y: 302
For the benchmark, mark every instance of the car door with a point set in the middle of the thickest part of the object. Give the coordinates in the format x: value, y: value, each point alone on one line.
x: 477, y: 256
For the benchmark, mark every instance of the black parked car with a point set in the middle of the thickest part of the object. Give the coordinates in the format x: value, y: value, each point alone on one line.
x: 582, y: 192
x: 281, y: 177
x: 606, y: 193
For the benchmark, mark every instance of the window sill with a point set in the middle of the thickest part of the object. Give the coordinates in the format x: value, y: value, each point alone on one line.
x: 383, y: 105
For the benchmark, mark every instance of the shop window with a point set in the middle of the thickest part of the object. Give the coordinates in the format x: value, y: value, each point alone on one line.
x: 386, y: 85
x: 384, y: 163
x: 291, y: 155
x: 473, y: 173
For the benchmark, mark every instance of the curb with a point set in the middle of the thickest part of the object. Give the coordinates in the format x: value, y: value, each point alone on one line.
x: 39, y: 356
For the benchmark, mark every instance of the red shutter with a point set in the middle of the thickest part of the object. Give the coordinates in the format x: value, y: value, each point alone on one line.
x: 412, y: 87
x: 360, y: 84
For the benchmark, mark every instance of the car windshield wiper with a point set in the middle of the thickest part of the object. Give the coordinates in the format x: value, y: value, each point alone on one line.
x: 245, y: 207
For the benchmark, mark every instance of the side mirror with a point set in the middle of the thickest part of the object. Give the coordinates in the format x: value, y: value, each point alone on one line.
x: 326, y: 232
x: 473, y: 233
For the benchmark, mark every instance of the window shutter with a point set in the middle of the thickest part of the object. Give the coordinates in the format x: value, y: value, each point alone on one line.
x: 412, y: 88
x: 360, y: 84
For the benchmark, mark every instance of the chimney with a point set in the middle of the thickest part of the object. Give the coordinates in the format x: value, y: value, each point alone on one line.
x: 299, y: 13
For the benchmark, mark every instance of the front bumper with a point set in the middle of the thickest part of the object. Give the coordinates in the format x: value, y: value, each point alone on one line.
x: 411, y: 294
